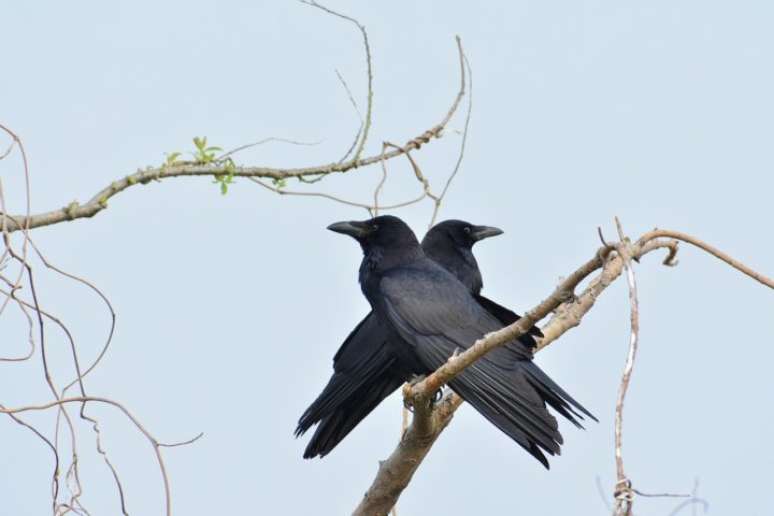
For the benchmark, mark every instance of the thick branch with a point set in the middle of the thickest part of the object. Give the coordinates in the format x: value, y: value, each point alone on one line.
x: 396, y: 472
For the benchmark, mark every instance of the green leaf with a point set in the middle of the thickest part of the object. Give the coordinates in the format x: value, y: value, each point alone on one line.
x: 172, y: 158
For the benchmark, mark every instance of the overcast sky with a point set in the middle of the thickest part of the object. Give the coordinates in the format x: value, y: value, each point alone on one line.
x: 230, y: 308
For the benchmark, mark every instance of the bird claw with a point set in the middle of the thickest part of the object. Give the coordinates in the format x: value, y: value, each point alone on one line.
x: 437, y: 396
x: 416, y: 379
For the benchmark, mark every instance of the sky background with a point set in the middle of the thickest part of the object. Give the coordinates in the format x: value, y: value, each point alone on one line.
x: 230, y: 308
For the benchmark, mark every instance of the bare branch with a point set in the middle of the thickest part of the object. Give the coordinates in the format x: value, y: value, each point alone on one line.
x: 8, y: 150
x: 98, y: 201
x: 395, y: 473
x: 264, y: 141
x: 369, y: 65
x: 369, y: 207
x: 623, y: 491
x: 461, y: 155
x: 154, y: 442
x: 736, y: 264
x: 359, y: 117
x: 660, y: 495
x: 380, y: 185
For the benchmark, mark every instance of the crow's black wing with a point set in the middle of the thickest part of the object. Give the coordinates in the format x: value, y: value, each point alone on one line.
x: 340, y: 421
x: 506, y: 316
x: 436, y: 315
x: 553, y: 394
x: 361, y: 342
x: 364, y: 374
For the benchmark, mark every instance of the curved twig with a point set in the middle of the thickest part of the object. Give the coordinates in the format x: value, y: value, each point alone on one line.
x: 370, y: 74
x: 154, y: 442
x: 264, y: 141
x: 461, y: 155
x: 714, y: 251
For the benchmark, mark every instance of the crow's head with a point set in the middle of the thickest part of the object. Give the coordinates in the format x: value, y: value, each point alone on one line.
x: 384, y: 232
x: 460, y: 233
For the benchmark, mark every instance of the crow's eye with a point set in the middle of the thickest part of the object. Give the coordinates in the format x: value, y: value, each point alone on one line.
x: 375, y: 227
x: 467, y: 229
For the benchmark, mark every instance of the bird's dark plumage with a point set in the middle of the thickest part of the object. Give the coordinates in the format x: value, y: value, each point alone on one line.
x: 450, y: 244
x: 426, y: 304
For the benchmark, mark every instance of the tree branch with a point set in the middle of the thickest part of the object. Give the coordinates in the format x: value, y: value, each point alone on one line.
x: 623, y: 492
x: 98, y: 201
x: 736, y: 264
x: 396, y: 472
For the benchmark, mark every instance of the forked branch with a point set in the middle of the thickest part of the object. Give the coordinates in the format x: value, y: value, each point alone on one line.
x: 569, y: 308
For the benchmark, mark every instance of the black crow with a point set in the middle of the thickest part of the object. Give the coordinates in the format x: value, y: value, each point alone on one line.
x: 428, y: 315
x: 366, y: 372
x: 450, y: 244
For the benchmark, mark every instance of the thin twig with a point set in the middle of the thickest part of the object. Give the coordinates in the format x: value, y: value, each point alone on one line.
x: 282, y: 191
x: 382, y: 180
x: 359, y: 117
x: 8, y: 150
x: 623, y: 491
x: 693, y: 503
x: 265, y: 140
x: 154, y: 442
x: 369, y: 67
x: 736, y: 264
x: 461, y: 155
x: 660, y: 495
x: 601, y: 493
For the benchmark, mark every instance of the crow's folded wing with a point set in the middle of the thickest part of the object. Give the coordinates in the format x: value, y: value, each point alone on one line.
x: 361, y: 360
x: 507, y: 317
x: 437, y: 316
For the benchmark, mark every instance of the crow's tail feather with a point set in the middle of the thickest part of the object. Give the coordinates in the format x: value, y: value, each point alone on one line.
x: 554, y: 395
x: 341, y: 421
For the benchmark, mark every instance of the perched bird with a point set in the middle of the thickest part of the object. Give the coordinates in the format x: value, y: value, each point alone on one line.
x: 450, y: 244
x: 367, y: 369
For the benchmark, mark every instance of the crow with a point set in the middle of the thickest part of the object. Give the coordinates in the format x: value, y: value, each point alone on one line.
x: 450, y: 244
x: 428, y: 315
x: 366, y: 372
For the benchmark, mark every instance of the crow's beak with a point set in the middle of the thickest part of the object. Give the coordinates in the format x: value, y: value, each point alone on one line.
x: 482, y: 232
x: 353, y: 228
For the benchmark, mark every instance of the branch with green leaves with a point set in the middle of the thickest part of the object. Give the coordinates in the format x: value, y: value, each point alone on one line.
x: 223, y: 168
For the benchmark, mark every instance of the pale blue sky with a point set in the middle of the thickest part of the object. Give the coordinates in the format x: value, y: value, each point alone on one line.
x: 230, y: 308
